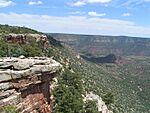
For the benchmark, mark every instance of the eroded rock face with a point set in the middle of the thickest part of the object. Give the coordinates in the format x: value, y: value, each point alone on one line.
x: 25, y: 83
x: 41, y: 39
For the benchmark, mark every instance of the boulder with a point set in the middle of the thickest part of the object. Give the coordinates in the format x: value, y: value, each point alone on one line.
x: 21, y: 57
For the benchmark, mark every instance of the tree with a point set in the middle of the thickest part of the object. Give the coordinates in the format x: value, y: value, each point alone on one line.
x: 67, y: 95
x: 3, y: 48
x: 90, y: 107
x: 108, y: 98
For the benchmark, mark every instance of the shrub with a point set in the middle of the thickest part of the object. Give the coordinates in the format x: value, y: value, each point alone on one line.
x: 108, y: 98
x: 3, y: 48
x: 90, y: 107
x: 9, y: 109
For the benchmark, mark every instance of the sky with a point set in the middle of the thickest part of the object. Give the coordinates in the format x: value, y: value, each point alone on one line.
x: 98, y: 17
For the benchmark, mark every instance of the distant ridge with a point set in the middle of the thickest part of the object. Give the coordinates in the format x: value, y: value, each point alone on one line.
x: 104, y: 45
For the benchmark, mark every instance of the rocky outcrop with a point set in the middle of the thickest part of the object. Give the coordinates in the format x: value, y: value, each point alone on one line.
x: 41, y: 39
x: 102, y: 107
x: 25, y: 83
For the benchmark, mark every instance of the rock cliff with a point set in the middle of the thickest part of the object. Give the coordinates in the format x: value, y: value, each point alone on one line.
x: 41, y: 39
x: 25, y: 83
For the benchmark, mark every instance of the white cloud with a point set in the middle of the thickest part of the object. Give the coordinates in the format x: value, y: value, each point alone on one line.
x: 133, y: 3
x: 76, y: 12
x: 75, y: 24
x: 96, y: 14
x: 78, y: 3
x: 84, y: 2
x: 126, y: 14
x: 98, y: 1
x: 35, y: 3
x: 6, y: 3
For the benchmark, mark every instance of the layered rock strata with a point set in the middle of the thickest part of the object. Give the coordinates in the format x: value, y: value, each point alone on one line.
x: 25, y: 83
x: 41, y: 39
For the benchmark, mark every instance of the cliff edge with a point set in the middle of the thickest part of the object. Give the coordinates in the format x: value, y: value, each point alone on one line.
x: 25, y: 83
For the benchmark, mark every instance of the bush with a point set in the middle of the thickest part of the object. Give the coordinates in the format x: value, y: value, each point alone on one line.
x: 30, y: 51
x: 15, y: 50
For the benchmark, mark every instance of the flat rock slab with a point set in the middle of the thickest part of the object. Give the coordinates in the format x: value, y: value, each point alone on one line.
x: 14, y: 68
x: 5, y: 86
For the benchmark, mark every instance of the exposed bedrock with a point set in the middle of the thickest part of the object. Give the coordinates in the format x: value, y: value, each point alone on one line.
x: 25, y: 83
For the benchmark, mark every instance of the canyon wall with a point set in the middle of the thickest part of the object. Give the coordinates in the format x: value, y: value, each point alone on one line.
x: 104, y: 45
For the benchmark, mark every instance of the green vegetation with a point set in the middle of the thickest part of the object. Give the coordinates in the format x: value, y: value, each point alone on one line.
x: 3, y: 48
x: 108, y: 98
x: 6, y: 29
x: 68, y: 98
x: 15, y: 50
x: 67, y: 95
x: 10, y: 109
x: 102, y: 79
x: 90, y: 107
x: 128, y: 83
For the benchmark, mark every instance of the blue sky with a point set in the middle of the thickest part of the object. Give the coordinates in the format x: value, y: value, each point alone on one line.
x: 100, y: 17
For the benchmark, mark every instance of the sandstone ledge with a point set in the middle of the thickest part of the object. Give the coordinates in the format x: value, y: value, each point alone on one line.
x: 15, y: 68
x: 25, y: 83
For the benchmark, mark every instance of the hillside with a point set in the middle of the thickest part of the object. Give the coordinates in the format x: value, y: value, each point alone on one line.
x: 104, y: 45
x: 129, y: 82
x: 122, y: 81
x: 124, y: 88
